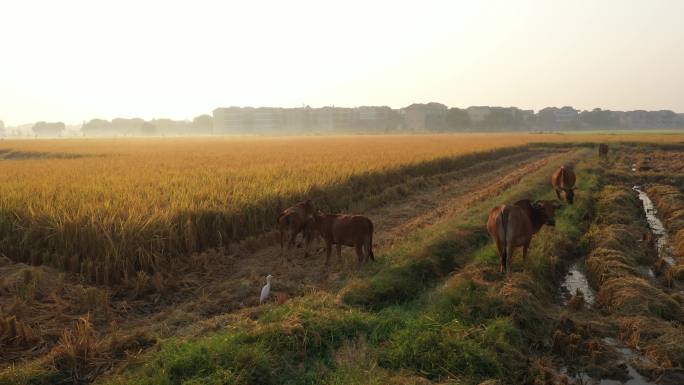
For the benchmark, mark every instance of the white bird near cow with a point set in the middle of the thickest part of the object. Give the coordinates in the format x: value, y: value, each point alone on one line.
x: 266, y: 290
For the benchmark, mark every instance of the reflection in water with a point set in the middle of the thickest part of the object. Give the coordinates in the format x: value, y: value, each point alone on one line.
x: 576, y: 279
x: 626, y: 357
x: 656, y: 226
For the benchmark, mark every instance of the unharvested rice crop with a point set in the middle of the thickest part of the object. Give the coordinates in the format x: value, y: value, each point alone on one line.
x: 107, y: 208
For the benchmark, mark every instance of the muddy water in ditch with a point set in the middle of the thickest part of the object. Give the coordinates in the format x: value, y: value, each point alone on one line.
x: 662, y: 240
x: 576, y: 280
x: 627, y: 356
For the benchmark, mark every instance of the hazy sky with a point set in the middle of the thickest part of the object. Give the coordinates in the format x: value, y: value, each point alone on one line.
x: 74, y: 60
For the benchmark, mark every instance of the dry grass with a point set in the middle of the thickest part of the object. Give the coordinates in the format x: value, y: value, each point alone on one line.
x: 618, y: 248
x: 646, y: 316
x: 636, y: 296
x: 669, y: 201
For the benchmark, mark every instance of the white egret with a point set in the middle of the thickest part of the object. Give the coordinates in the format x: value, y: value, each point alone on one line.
x: 265, y: 291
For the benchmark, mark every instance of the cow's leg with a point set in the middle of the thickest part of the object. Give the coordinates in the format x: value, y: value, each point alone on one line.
x: 290, y: 243
x: 359, y: 253
x: 509, y: 257
x: 501, y: 249
x: 368, y: 250
x: 526, y: 246
x: 339, y: 253
x: 293, y: 237
x: 307, y: 240
x: 282, y: 244
x: 558, y: 194
x: 328, y: 251
x: 300, y: 242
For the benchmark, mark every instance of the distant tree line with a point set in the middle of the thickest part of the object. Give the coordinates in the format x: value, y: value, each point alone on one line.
x: 428, y: 117
x: 201, y: 125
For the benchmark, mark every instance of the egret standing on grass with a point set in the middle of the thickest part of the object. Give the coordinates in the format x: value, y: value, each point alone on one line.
x: 266, y: 289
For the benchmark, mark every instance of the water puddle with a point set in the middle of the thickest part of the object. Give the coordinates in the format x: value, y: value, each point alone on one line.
x: 662, y: 240
x: 627, y: 357
x: 575, y: 280
x: 646, y: 271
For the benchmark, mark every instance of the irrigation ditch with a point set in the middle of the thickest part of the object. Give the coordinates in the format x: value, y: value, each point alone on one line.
x: 623, y: 300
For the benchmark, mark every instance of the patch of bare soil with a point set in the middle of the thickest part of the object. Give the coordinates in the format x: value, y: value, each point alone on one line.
x: 38, y: 305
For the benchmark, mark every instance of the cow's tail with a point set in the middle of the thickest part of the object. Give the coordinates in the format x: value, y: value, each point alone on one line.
x: 503, y: 233
x: 370, y: 241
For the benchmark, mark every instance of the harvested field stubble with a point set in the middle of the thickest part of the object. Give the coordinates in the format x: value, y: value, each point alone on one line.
x: 669, y: 202
x: 647, y: 317
x: 618, y: 249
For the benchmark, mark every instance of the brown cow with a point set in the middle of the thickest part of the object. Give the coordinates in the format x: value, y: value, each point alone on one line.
x: 513, y: 226
x: 347, y: 230
x: 564, y: 180
x: 294, y: 220
x: 603, y: 150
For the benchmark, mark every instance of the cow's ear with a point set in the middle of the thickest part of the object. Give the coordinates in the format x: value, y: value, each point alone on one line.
x: 538, y: 204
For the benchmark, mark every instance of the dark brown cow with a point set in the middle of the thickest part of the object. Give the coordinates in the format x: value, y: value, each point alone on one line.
x: 564, y: 180
x: 294, y: 220
x: 603, y: 150
x: 346, y: 230
x: 512, y: 226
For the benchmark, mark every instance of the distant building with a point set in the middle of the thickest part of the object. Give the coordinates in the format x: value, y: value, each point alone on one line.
x: 229, y: 120
x: 297, y: 119
x: 680, y: 120
x: 267, y: 119
x: 620, y: 117
x: 528, y: 117
x: 328, y: 119
x: 371, y: 118
x: 566, y: 115
x: 651, y: 119
x: 44, y: 129
x: 558, y: 118
x: 478, y: 114
x: 425, y: 117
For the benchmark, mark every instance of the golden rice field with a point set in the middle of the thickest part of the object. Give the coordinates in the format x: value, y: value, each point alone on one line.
x: 114, y: 206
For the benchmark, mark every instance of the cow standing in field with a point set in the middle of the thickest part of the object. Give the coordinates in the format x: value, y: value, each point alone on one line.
x: 347, y: 230
x: 603, y: 150
x: 295, y: 220
x: 512, y: 226
x: 564, y: 180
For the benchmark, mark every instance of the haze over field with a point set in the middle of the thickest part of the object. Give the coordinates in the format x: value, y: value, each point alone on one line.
x: 341, y: 192
x: 76, y: 60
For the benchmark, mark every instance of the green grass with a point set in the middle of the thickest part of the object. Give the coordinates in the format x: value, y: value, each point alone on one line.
x: 438, y: 250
